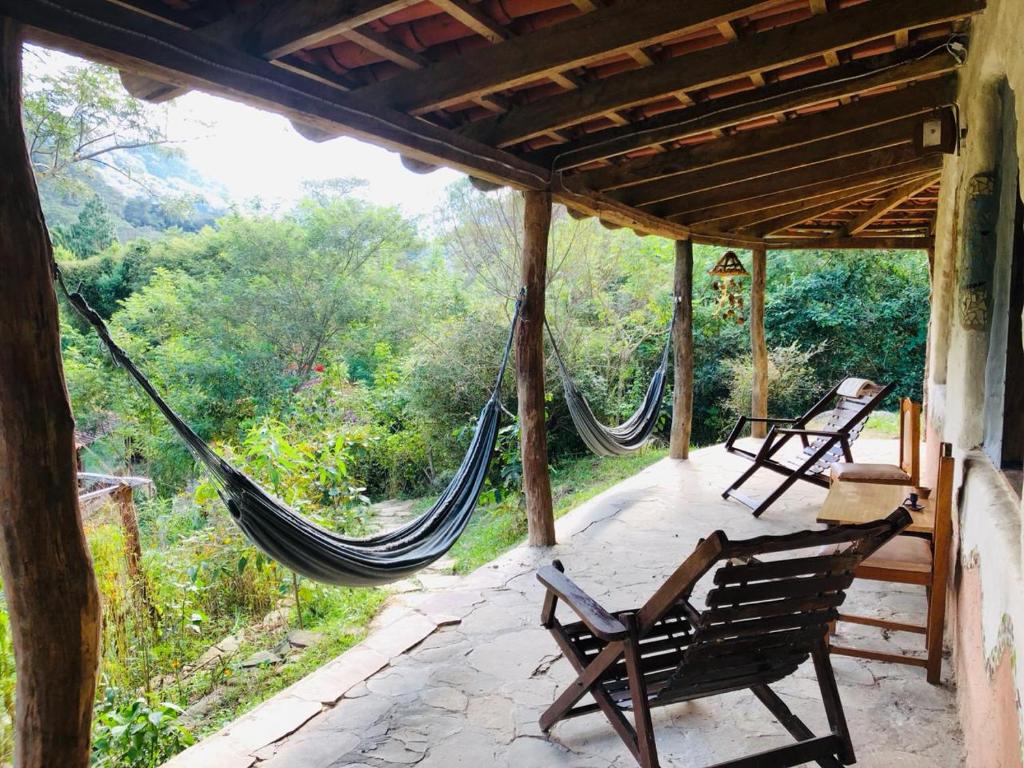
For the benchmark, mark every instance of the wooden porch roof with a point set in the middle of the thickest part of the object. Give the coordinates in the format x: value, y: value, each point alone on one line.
x: 791, y: 122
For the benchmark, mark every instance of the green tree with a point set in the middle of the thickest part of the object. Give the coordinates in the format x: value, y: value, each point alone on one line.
x: 92, y: 233
x: 80, y: 115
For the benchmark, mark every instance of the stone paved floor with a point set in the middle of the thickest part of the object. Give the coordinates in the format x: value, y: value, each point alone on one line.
x: 457, y: 675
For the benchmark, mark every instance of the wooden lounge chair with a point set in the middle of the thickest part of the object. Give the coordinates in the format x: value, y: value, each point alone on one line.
x: 907, y: 472
x: 763, y: 620
x: 846, y: 408
x: 911, y: 559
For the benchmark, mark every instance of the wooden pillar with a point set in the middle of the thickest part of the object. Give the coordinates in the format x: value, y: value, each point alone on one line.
x: 48, y: 578
x: 682, y: 347
x: 530, y: 370
x: 758, y: 347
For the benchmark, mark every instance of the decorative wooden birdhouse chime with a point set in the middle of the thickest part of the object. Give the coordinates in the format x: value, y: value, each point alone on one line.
x: 728, y: 277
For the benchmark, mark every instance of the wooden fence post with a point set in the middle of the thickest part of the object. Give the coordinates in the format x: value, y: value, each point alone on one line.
x: 133, y: 548
x: 530, y: 370
x: 682, y: 347
x: 49, y: 583
x: 758, y: 347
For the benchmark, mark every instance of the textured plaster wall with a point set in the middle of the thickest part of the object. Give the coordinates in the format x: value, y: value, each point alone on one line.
x: 988, y: 597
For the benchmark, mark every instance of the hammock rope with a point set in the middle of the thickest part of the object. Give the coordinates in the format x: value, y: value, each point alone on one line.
x: 632, y: 434
x: 302, y: 545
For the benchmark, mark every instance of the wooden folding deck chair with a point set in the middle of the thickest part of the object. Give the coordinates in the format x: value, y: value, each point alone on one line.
x: 846, y: 407
x: 763, y: 620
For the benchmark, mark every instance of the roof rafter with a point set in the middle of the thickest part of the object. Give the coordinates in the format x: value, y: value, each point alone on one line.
x: 272, y: 32
x: 817, y: 158
x: 866, y: 243
x: 784, y: 96
x: 775, y: 48
x: 581, y: 40
x: 469, y: 15
x: 900, y: 195
x: 775, y: 191
x: 872, y: 111
x: 769, y: 222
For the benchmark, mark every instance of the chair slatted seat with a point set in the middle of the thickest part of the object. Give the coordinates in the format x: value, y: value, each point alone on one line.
x: 762, y: 619
x: 844, y: 409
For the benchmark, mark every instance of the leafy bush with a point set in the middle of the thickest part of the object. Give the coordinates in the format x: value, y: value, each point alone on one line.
x: 135, y: 733
x: 791, y: 383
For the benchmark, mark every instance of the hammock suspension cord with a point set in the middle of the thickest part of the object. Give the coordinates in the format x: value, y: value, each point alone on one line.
x: 302, y: 545
x: 634, y: 432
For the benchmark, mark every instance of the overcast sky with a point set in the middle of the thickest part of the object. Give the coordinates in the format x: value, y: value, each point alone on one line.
x: 258, y: 154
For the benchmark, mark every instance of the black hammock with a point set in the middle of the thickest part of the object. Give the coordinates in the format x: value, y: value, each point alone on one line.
x: 308, y: 548
x: 634, y: 432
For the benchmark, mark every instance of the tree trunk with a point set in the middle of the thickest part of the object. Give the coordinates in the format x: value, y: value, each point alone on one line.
x: 530, y: 371
x: 758, y: 348
x: 133, y: 549
x: 682, y: 346
x: 48, y: 578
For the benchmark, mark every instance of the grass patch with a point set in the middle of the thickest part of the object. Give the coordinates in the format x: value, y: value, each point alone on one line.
x: 498, y: 527
x: 340, y: 614
x: 882, y: 424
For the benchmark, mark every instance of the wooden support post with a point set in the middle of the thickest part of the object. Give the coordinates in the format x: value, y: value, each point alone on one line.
x: 133, y: 548
x: 48, y: 579
x: 682, y: 347
x: 758, y: 348
x: 530, y: 370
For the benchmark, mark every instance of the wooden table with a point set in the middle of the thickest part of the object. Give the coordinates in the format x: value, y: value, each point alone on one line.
x: 863, y: 502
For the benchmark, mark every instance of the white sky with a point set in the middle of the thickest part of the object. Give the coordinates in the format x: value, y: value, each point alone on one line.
x: 258, y: 154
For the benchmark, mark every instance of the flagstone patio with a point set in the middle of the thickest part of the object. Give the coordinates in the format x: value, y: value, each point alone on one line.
x: 458, y: 673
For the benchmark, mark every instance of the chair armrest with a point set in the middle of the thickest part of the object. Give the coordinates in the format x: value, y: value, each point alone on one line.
x: 596, y: 618
x: 811, y: 433
x: 771, y: 420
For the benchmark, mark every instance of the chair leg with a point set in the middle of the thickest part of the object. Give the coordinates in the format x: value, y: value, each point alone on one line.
x: 747, y: 474
x: 796, y: 727
x: 833, y: 704
x: 791, y: 478
x: 647, y: 750
x: 933, y: 637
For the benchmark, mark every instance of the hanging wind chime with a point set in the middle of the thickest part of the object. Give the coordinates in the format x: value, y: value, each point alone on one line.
x: 728, y: 277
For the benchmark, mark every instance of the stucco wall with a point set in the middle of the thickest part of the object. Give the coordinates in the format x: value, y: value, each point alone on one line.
x: 987, y: 620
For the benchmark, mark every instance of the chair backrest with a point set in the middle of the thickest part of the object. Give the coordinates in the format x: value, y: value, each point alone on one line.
x: 910, y: 439
x: 854, y: 400
x: 763, y: 618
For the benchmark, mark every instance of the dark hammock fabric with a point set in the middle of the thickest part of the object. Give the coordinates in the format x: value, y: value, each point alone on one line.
x: 308, y: 548
x: 634, y: 432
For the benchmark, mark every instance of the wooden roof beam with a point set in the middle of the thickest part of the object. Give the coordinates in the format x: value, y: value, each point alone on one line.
x: 726, y: 112
x: 749, y: 222
x: 817, y: 158
x: 582, y: 40
x: 864, y: 243
x: 872, y: 111
x: 803, y: 184
x: 804, y: 212
x: 103, y: 32
x: 274, y: 31
x: 894, y: 200
x: 471, y: 16
x: 768, y: 50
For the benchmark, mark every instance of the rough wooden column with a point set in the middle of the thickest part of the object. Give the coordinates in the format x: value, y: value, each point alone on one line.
x: 758, y: 348
x: 530, y: 371
x: 682, y: 347
x: 48, y: 578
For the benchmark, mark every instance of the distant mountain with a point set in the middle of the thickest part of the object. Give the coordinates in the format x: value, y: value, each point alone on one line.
x: 145, y: 190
